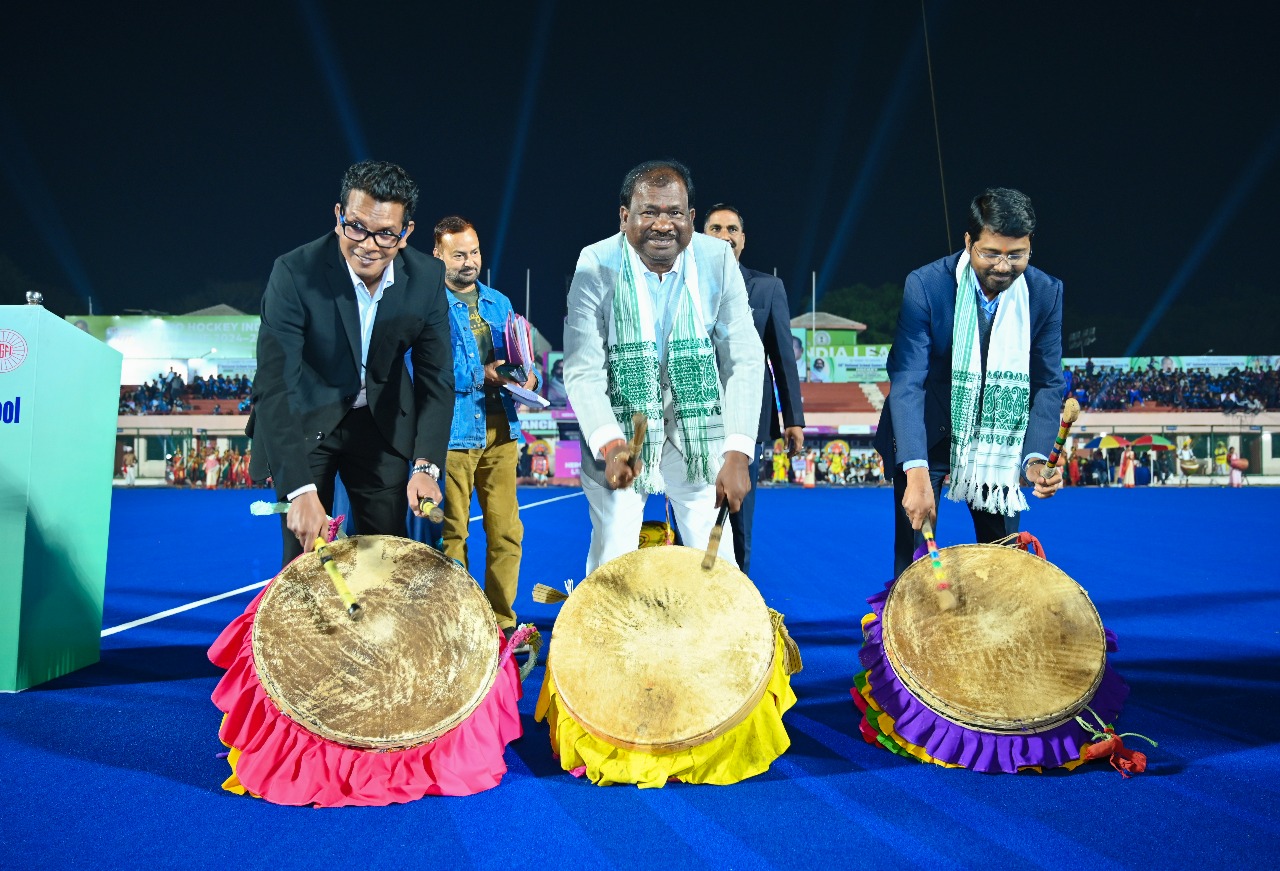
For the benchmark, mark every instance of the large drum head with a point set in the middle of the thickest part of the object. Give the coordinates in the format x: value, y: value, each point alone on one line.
x: 421, y: 659
x: 1023, y: 650
x: 653, y: 653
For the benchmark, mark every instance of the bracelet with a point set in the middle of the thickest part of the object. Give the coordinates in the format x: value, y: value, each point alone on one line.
x: 604, y: 451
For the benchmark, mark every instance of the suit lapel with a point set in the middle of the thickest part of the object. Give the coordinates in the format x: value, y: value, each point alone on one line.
x: 344, y: 297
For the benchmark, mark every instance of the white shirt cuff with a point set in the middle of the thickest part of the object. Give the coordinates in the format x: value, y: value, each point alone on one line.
x: 740, y: 443
x: 602, y: 437
x: 309, y: 488
x: 915, y: 464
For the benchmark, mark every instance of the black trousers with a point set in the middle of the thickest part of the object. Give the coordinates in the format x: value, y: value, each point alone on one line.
x: 741, y: 521
x: 987, y: 527
x: 374, y: 475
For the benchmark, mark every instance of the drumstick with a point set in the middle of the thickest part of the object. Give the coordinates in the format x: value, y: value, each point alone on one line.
x: 431, y: 509
x: 339, y: 582
x: 1070, y: 414
x: 946, y: 598
x: 713, y: 541
x: 640, y: 425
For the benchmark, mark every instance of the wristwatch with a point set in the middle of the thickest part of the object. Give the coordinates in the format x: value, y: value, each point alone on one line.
x: 430, y: 468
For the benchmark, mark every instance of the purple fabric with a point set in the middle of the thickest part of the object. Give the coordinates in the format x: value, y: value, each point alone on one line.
x: 980, y: 751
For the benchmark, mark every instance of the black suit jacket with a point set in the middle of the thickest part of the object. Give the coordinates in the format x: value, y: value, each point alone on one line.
x: 309, y: 361
x: 768, y: 300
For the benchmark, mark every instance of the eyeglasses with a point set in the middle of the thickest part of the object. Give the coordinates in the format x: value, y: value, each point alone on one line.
x: 382, y: 238
x: 1011, y: 259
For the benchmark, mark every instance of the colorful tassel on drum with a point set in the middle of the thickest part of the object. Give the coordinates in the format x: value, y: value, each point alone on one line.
x: 1107, y: 743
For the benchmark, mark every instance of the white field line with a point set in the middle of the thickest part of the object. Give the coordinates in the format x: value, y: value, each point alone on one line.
x: 181, y: 608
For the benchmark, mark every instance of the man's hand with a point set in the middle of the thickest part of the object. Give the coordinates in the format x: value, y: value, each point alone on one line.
x: 491, y: 376
x: 307, y: 519
x: 793, y: 438
x: 917, y: 501
x: 1047, y: 481
x: 734, y: 481
x: 423, y: 486
x: 618, y: 473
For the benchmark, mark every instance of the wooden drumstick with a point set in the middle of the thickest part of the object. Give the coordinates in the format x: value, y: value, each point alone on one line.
x: 431, y: 509
x: 640, y: 426
x: 946, y: 598
x: 713, y: 541
x: 339, y: 582
x: 1070, y: 414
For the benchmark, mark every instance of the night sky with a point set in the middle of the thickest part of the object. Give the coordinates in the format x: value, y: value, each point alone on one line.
x: 147, y: 154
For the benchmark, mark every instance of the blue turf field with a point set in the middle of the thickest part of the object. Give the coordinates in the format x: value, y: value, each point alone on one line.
x: 115, y: 767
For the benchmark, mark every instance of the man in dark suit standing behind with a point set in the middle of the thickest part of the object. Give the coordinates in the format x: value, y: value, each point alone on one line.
x: 332, y: 394
x: 768, y: 301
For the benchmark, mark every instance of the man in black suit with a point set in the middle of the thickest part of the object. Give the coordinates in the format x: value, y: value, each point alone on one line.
x: 332, y: 394
x: 773, y: 321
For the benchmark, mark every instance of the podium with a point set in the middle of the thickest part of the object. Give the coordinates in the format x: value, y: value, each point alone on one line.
x: 59, y: 394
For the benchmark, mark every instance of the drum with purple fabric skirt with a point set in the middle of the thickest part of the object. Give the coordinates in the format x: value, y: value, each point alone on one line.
x: 996, y: 681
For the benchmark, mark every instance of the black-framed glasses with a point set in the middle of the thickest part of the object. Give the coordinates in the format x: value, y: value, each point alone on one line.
x: 357, y: 233
x: 1011, y: 259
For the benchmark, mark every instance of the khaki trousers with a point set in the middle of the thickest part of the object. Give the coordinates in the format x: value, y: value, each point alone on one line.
x: 489, y: 472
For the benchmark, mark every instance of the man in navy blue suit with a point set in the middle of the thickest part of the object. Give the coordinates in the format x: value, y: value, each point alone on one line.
x: 975, y: 375
x: 768, y: 300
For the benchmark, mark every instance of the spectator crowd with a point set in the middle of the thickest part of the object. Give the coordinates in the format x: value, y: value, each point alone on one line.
x: 1238, y: 391
x: 169, y: 393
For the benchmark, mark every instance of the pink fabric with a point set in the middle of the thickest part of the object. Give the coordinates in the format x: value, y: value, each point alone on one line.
x: 286, y: 763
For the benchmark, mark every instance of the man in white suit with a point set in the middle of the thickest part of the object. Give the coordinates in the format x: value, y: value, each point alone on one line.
x: 659, y: 324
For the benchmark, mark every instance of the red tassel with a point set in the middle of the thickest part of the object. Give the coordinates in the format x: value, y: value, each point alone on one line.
x: 1030, y: 543
x: 1123, y: 759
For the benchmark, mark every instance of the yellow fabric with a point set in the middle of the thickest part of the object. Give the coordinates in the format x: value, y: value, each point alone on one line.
x: 744, y: 751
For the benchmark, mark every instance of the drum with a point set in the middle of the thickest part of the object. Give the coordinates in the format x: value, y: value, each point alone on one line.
x: 1189, y: 467
x: 652, y: 653
x: 1023, y: 650
x: 422, y: 657
x: 1240, y: 463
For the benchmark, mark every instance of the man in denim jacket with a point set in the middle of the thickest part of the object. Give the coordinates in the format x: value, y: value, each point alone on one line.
x: 485, y: 439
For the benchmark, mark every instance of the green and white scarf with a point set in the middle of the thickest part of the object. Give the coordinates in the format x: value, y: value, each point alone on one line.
x: 635, y: 380
x: 986, y: 453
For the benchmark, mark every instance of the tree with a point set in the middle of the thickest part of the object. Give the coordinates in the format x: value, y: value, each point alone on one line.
x: 877, y: 307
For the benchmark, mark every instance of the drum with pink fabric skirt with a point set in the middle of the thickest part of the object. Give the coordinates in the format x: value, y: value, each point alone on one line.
x: 372, y: 671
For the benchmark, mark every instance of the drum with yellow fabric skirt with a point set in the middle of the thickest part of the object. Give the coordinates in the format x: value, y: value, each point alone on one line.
x: 664, y: 670
x: 406, y: 690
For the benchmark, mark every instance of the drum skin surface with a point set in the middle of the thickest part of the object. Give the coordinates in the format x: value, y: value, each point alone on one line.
x: 653, y: 653
x: 1023, y: 651
x: 421, y: 658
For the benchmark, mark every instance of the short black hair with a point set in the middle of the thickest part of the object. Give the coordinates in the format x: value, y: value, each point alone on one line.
x: 659, y: 173
x: 385, y: 182
x: 1003, y: 211
x: 724, y: 207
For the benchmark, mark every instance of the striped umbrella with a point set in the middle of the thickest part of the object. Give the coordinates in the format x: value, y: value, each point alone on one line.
x: 1108, y: 441
x: 1153, y: 443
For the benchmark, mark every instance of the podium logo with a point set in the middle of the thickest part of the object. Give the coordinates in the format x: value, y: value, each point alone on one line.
x: 13, y: 350
x: 11, y: 412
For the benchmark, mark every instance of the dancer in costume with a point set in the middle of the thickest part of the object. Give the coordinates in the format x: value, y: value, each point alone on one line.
x: 659, y: 324
x: 332, y: 393
x: 975, y: 379
x: 1128, y: 464
x: 772, y: 318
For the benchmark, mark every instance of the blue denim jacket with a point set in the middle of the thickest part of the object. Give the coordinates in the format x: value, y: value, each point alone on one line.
x: 468, y: 429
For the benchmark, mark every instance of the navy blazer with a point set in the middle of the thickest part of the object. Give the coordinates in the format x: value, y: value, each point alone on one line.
x: 768, y: 300
x: 918, y: 413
